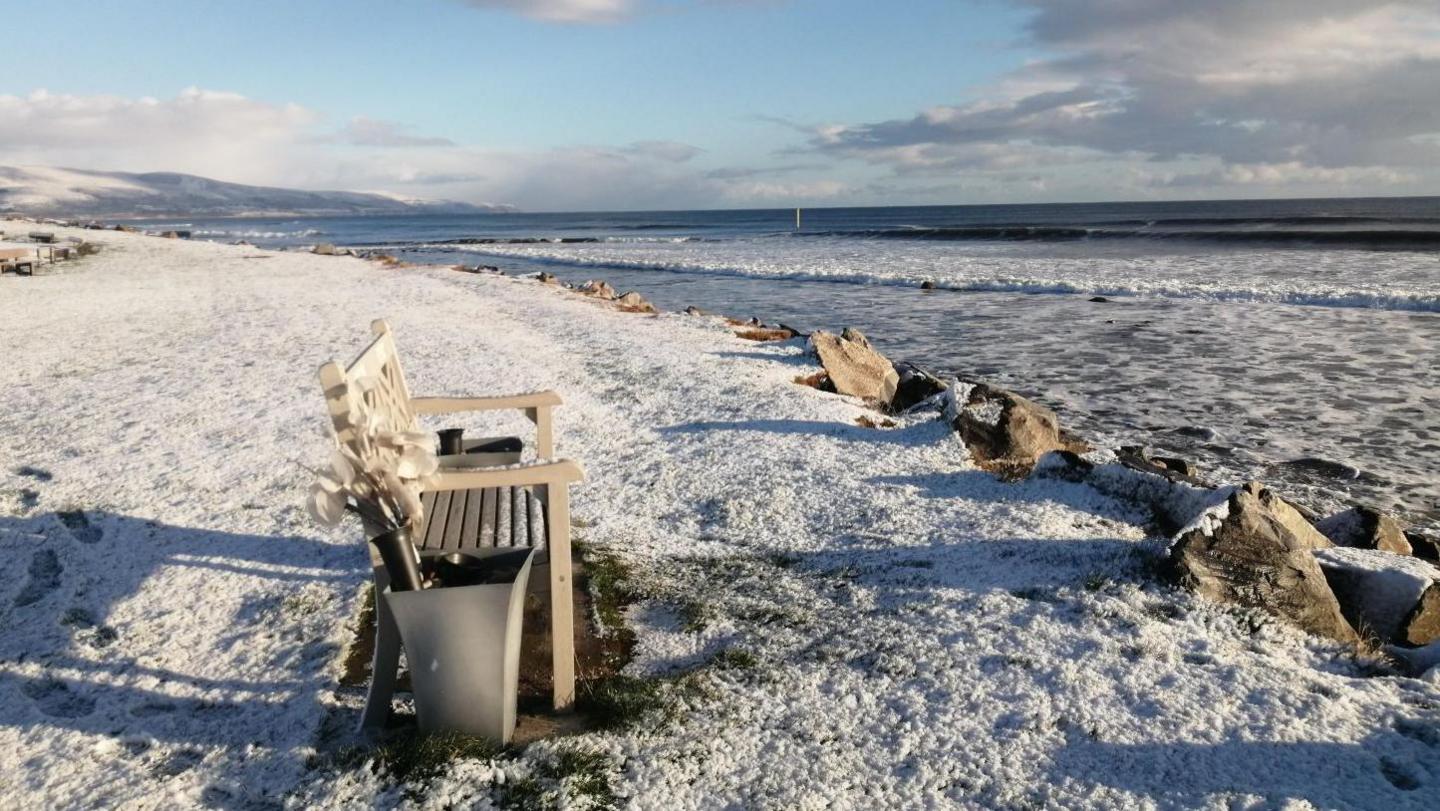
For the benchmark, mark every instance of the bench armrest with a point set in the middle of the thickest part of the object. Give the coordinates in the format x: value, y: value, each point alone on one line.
x: 559, y: 472
x: 450, y: 405
x: 536, y: 405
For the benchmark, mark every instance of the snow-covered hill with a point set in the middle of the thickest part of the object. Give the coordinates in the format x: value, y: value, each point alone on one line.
x: 48, y: 191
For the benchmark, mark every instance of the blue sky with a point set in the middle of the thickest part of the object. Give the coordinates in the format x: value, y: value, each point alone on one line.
x: 719, y: 103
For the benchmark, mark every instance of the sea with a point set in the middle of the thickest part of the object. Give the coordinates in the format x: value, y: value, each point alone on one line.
x: 1292, y: 341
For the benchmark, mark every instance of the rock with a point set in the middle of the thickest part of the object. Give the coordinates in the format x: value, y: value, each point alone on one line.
x: 323, y: 249
x: 1177, y: 465
x: 1099, y: 300
x: 798, y: 333
x: 693, y: 310
x: 1286, y: 513
x: 1423, y: 546
x: 856, y: 369
x: 547, y: 278
x: 1323, y: 468
x: 852, y: 334
x: 1242, y: 554
x: 914, y: 387
x: 1001, y: 428
x: 633, y: 302
x: 487, y: 269
x: 1137, y: 457
x: 126, y: 228
x: 1422, y: 624
x: 598, y: 288
x: 1365, y: 528
x: 764, y: 333
x: 1393, y: 598
x: 927, y: 285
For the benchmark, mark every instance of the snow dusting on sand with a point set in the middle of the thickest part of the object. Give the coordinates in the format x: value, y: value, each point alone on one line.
x: 867, y: 620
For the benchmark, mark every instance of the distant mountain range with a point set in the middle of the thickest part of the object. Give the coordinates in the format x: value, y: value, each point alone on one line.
x: 51, y: 192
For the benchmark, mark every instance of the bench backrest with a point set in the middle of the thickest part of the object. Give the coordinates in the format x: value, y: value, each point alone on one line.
x: 389, y: 397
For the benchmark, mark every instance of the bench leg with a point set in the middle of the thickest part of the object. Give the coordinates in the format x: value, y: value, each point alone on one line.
x: 384, y: 668
x: 562, y: 609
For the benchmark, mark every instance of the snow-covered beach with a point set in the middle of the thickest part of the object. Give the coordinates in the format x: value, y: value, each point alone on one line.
x: 869, y: 619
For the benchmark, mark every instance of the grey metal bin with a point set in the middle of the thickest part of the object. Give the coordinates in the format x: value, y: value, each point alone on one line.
x: 463, y: 647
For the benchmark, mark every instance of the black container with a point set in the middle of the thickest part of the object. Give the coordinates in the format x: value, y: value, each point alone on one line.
x: 452, y: 441
x: 490, y: 566
x: 399, y: 556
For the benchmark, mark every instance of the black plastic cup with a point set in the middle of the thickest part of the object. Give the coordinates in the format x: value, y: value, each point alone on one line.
x: 452, y: 441
x: 398, y: 554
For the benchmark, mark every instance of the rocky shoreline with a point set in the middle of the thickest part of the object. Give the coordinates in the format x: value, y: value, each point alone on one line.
x: 1358, y: 576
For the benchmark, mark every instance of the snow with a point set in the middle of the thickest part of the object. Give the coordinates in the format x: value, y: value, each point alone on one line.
x: 1391, y: 584
x: 923, y: 635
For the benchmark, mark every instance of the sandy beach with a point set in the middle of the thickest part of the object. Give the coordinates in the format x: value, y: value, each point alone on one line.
x: 863, y: 617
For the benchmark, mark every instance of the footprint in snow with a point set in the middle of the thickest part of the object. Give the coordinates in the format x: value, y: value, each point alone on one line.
x: 80, y: 526
x: 57, y: 700
x: 1401, y: 774
x: 178, y: 763
x: 39, y: 474
x: 45, y: 571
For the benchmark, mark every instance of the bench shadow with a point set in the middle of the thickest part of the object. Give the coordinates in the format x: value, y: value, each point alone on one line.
x: 72, y: 660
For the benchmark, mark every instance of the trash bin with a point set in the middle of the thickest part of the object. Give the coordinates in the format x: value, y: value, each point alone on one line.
x: 462, y: 641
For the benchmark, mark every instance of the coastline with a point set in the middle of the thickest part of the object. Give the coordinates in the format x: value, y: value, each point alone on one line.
x: 922, y: 633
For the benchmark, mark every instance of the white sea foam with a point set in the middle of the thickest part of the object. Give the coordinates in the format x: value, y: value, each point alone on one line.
x: 1388, y: 281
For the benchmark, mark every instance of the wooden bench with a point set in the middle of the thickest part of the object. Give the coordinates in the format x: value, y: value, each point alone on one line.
x: 468, y: 506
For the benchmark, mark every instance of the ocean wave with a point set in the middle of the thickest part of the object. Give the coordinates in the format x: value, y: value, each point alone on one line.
x: 1371, y: 239
x: 466, y: 241
x: 252, y: 234
x: 1405, y: 300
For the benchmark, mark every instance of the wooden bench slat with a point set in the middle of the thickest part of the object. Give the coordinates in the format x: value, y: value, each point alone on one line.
x: 487, y: 519
x: 504, y: 536
x: 428, y: 502
x: 470, y: 532
x: 435, y: 524
x: 455, y: 522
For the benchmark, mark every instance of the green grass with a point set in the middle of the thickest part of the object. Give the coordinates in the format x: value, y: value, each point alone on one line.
x: 416, y: 757
x: 570, y: 778
x: 611, y: 585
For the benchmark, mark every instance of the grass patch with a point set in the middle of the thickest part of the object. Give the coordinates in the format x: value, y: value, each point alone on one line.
x: 694, y: 617
x: 415, y: 757
x: 736, y: 659
x: 571, y: 778
x: 611, y: 586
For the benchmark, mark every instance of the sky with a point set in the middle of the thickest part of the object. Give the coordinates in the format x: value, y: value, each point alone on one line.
x: 662, y: 104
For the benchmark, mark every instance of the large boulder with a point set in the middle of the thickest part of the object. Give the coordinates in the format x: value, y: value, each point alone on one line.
x: 598, y: 288
x: 633, y: 302
x: 1366, y: 528
x: 1286, y: 513
x: 914, y: 387
x: 1002, y: 429
x: 1423, y: 546
x: 1242, y: 553
x: 855, y: 368
x: 1393, y: 597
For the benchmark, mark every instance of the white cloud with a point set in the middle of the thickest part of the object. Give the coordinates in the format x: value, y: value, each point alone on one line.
x: 1297, y: 92
x: 229, y: 137
x: 200, y: 131
x: 564, y: 11
x: 362, y: 131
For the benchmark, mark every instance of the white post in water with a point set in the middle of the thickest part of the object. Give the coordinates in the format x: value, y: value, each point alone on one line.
x: 797, y: 219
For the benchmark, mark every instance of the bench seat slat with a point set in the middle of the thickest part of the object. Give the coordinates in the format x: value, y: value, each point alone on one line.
x: 455, y: 521
x: 435, y: 525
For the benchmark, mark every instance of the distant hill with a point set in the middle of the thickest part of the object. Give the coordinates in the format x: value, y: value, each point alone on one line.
x: 45, y: 191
